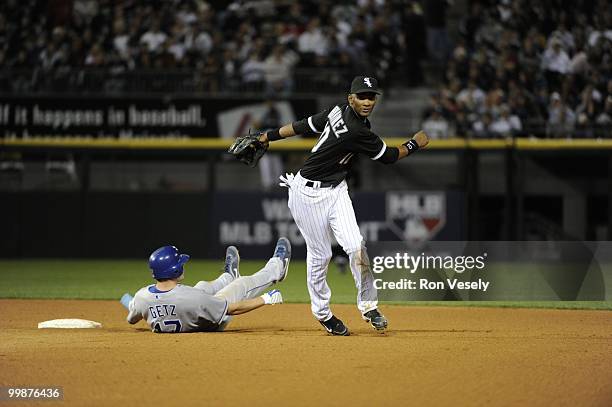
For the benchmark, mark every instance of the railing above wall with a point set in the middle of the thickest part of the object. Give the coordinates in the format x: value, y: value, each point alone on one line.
x: 215, y: 145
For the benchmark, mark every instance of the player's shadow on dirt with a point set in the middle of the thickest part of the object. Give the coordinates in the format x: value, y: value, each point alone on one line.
x: 446, y: 331
x: 264, y: 330
x: 275, y: 330
x: 390, y: 332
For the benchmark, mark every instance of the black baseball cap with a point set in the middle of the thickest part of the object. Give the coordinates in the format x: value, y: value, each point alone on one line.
x: 363, y: 84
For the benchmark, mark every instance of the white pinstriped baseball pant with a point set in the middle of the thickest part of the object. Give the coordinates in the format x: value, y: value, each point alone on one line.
x: 319, y: 213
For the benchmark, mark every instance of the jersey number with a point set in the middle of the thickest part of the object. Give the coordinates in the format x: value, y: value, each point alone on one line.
x: 175, y: 322
x: 322, y: 138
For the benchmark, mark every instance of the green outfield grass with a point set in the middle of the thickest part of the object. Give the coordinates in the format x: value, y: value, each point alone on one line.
x: 109, y: 279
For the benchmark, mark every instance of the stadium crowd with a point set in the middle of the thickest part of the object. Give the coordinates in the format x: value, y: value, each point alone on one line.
x: 229, y: 45
x: 529, y: 68
x: 518, y: 67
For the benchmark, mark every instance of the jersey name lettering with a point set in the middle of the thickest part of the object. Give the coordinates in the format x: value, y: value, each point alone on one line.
x: 162, y: 310
x: 336, y: 121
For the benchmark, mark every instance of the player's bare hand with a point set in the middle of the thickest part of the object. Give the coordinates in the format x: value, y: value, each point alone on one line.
x: 421, y: 138
x: 264, y: 139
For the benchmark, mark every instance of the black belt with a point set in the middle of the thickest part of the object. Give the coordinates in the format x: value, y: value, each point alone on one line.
x: 311, y: 184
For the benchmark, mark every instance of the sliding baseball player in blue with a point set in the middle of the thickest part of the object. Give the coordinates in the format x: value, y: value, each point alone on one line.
x: 171, y: 307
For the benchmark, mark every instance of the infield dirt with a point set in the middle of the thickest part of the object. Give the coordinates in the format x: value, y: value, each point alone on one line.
x: 280, y: 356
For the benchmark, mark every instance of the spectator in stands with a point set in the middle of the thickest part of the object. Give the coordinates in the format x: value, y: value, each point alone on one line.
x: 459, y: 63
x: 50, y: 56
x: 164, y: 58
x: 436, y: 126
x: 121, y: 38
x: 253, y: 71
x: 560, y: 51
x: 529, y: 55
x: 312, y: 42
x: 200, y: 40
x: 186, y: 13
x: 96, y: 56
x: 604, y: 120
x: 579, y: 64
x: 142, y: 56
x: 494, y: 97
x: 481, y: 128
x: 154, y: 38
x: 470, y: 25
x: 481, y: 69
x: 561, y: 118
x: 208, y: 74
x: 85, y: 10
x: 278, y: 70
x: 555, y: 63
x: 506, y: 124
x: 564, y: 36
x: 176, y: 39
x: 601, y: 32
x: 505, y: 11
x: 489, y: 31
x: 231, y: 72
x: 463, y: 126
x: 447, y: 99
x: 339, y: 34
x: 505, y: 45
x: 586, y: 112
x: 472, y: 96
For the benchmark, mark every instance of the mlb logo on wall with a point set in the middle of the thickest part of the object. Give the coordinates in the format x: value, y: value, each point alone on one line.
x: 415, y: 217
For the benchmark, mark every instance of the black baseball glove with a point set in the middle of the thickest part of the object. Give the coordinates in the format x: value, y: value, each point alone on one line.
x: 248, y: 149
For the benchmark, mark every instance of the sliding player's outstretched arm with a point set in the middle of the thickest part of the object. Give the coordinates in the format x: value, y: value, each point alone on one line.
x: 241, y: 307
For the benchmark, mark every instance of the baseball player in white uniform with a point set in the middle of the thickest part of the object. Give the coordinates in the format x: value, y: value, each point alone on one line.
x: 319, y: 199
x: 171, y: 307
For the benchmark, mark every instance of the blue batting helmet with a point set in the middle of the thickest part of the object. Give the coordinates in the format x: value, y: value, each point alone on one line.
x: 166, y: 262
